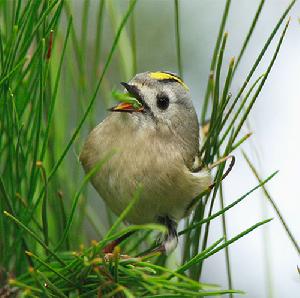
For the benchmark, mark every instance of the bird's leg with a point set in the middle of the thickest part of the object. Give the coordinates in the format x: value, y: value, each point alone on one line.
x: 170, y: 240
x: 109, y: 248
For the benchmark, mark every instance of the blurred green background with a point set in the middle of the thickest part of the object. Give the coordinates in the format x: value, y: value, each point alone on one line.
x: 263, y: 263
x: 260, y: 260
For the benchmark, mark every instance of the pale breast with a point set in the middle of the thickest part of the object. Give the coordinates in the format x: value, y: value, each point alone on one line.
x: 145, y: 159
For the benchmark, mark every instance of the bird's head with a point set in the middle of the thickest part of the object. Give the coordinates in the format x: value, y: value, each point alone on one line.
x: 165, y: 109
x: 164, y: 103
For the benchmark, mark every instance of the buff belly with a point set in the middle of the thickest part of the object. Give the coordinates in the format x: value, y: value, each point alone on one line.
x: 162, y: 194
x: 168, y: 186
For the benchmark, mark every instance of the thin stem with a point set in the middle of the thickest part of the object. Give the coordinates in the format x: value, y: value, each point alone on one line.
x: 177, y: 37
x: 252, y: 27
x: 133, y: 43
x: 224, y: 227
x: 214, y: 58
x: 274, y: 205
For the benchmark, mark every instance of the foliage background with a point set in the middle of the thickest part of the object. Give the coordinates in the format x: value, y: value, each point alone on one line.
x: 259, y: 265
x: 274, y: 121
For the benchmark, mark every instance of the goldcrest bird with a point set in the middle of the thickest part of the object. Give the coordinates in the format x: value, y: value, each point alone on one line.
x: 157, y: 147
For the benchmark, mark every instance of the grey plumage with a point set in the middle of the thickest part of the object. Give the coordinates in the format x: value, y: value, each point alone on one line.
x: 157, y: 148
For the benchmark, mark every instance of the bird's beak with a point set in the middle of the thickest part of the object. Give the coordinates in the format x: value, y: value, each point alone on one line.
x: 126, y: 106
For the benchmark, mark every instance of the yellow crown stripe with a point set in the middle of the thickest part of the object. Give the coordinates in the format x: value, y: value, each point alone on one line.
x: 167, y: 76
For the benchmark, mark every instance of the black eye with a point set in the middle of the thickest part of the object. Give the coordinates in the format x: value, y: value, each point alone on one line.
x: 162, y: 101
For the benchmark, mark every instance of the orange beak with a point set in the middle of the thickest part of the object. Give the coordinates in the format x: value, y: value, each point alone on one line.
x: 125, y: 107
x: 130, y: 107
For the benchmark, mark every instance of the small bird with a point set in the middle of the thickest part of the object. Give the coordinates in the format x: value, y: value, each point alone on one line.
x: 157, y: 147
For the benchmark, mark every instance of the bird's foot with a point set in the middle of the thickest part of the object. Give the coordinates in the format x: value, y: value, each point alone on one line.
x: 166, y: 247
x: 170, y: 239
x: 168, y: 242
